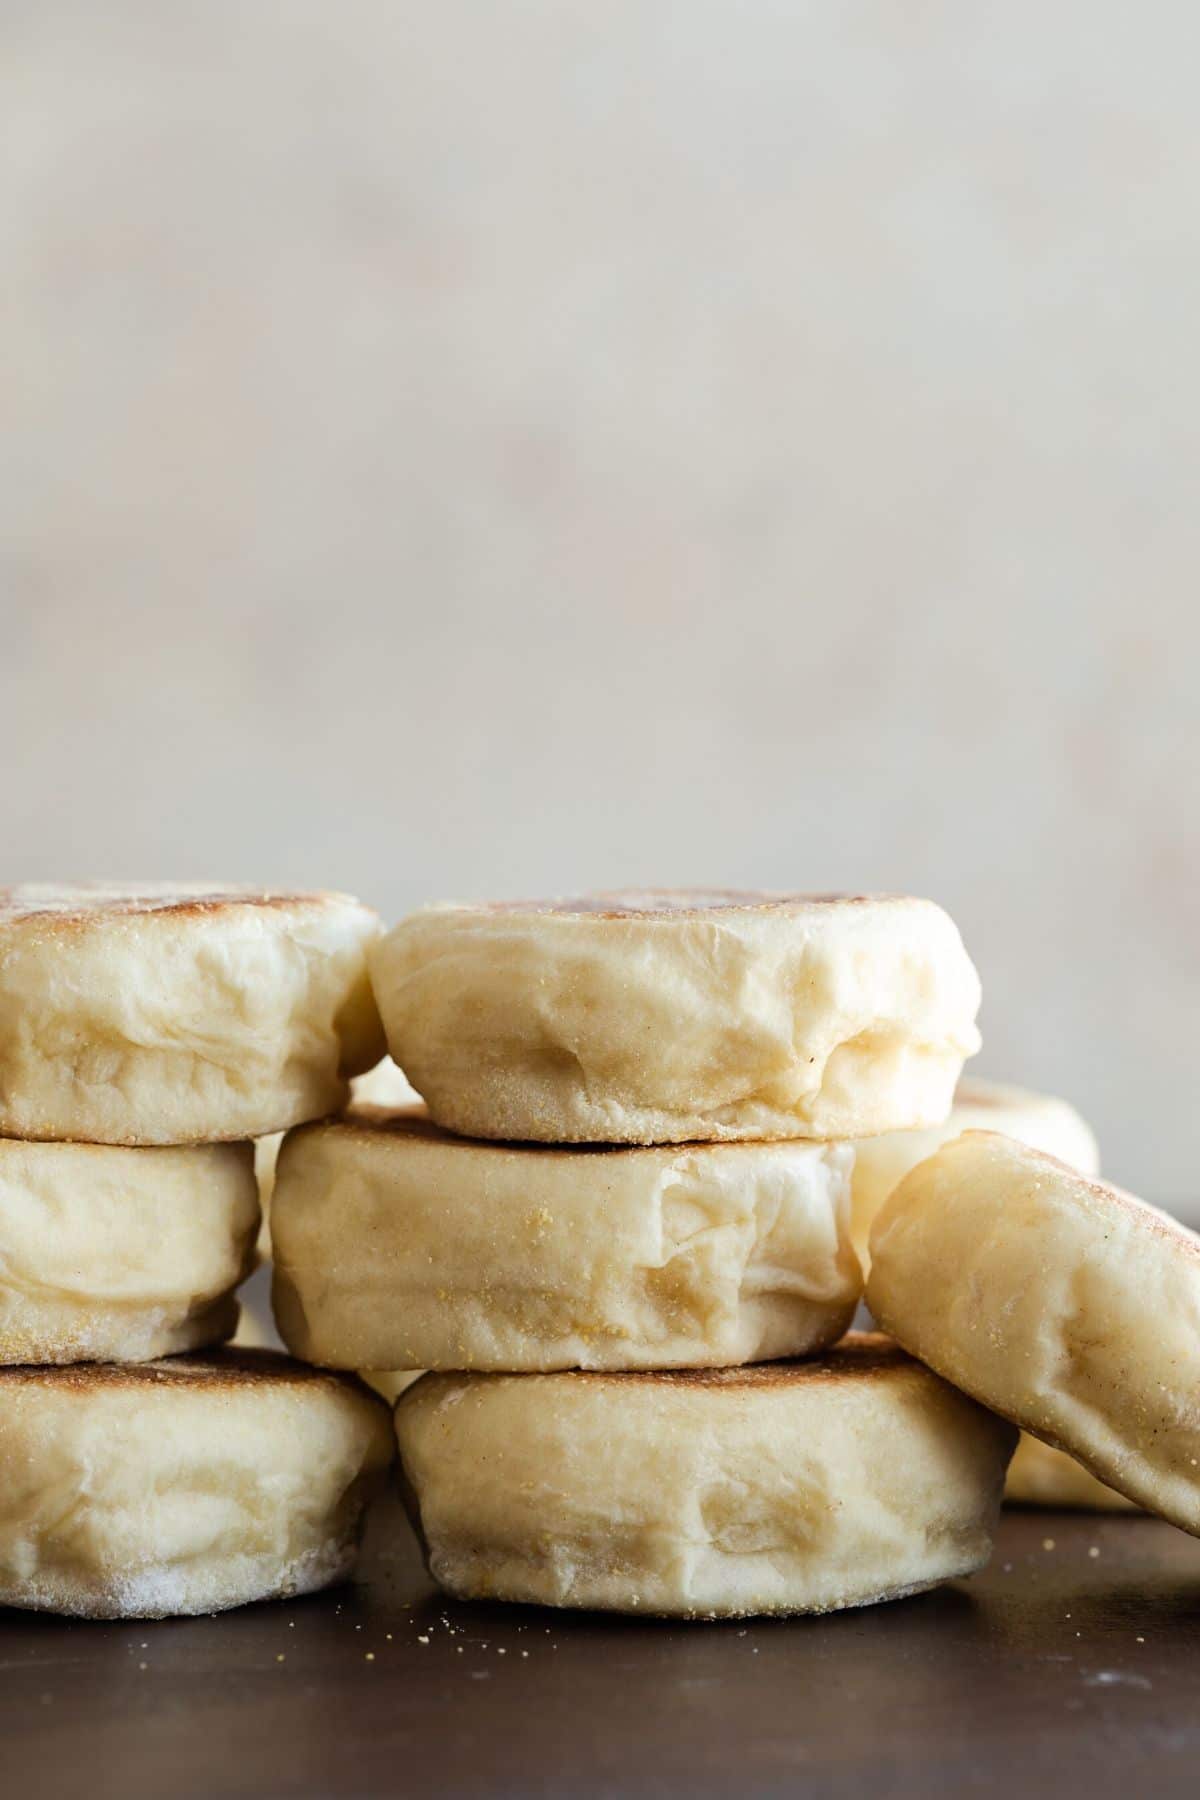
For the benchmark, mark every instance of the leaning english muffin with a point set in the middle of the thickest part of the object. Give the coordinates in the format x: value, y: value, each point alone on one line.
x: 662, y: 1017
x: 115, y: 1255
x: 1037, y: 1475
x: 1037, y: 1119
x: 782, y: 1488
x: 175, y: 1014
x: 1040, y: 1475
x: 186, y: 1486
x: 398, y: 1246
x: 1062, y: 1303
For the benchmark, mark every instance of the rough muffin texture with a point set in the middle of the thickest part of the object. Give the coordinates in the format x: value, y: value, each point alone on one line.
x: 167, y: 1014
x: 184, y: 1486
x: 397, y: 1245
x: 663, y: 1017
x: 782, y: 1488
x: 1064, y: 1304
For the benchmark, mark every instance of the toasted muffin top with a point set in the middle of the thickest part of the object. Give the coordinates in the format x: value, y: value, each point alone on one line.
x: 225, y: 1371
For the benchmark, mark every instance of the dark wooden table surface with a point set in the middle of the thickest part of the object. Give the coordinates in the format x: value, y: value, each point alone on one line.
x: 1071, y: 1666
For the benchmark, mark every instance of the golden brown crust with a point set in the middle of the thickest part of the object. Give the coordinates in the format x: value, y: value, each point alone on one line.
x: 222, y: 1369
x: 858, y: 1356
x: 666, y: 903
x: 413, y: 1121
x: 88, y: 902
x: 369, y: 1119
x: 242, y: 1148
x: 375, y: 1120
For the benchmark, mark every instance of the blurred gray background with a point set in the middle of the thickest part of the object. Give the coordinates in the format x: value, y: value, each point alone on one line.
x: 457, y: 449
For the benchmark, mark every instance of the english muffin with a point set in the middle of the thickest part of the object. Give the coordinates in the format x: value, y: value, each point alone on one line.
x: 185, y: 1486
x: 662, y: 1017
x: 115, y: 1255
x: 794, y: 1487
x: 1062, y: 1303
x: 174, y: 1014
x: 399, y: 1246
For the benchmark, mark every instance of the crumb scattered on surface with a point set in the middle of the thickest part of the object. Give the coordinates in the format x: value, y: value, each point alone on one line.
x: 1047, y: 1543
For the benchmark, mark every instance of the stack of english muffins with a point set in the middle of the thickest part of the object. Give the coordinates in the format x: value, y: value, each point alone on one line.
x: 618, y: 1233
x: 624, y: 1232
x: 147, y: 1035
